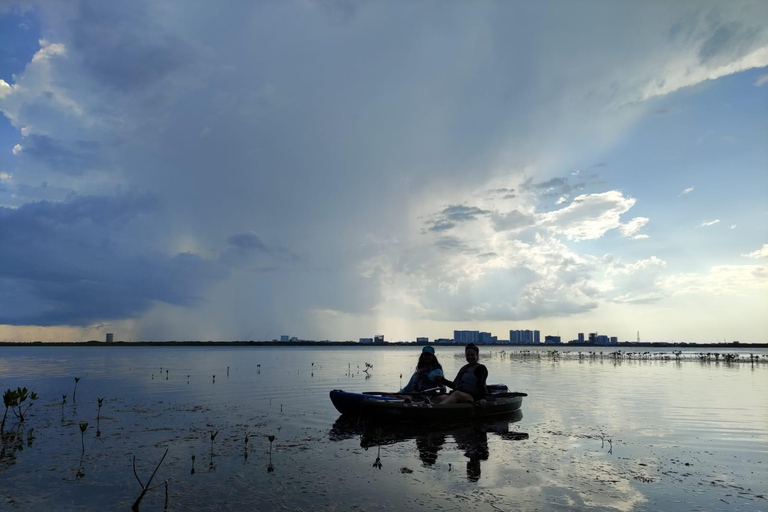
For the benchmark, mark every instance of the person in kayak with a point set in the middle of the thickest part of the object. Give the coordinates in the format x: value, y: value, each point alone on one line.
x: 469, y: 385
x: 428, y: 374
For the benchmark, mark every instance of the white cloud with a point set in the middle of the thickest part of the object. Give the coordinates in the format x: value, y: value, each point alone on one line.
x: 761, y: 80
x: 48, y: 50
x: 25, y: 130
x: 720, y: 280
x: 686, y: 191
x: 759, y: 253
x: 590, y: 216
x: 561, y: 200
x: 733, y: 226
x: 4, y: 176
x: 710, y: 223
x: 17, y: 149
x: 631, y: 229
x: 5, y: 88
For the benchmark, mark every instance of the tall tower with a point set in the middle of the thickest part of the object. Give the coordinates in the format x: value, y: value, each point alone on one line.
x: 638, y: 336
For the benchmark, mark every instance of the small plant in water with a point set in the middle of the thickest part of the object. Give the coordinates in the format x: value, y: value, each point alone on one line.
x: 270, y: 467
x: 74, y: 393
x: 377, y: 436
x: 83, y: 430
x: 98, y: 417
x: 14, y: 399
x: 213, y: 436
x: 193, y: 466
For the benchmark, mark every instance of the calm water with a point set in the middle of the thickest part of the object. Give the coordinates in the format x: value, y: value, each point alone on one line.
x: 601, y: 434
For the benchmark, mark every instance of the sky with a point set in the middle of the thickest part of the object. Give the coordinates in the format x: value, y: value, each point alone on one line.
x: 338, y: 169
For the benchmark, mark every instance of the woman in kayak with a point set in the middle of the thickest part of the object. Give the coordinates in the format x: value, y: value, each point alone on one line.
x: 428, y: 374
x: 469, y: 385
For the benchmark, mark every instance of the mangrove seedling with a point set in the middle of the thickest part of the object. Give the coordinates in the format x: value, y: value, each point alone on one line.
x: 98, y: 417
x: 213, y: 436
x: 245, y: 451
x: 377, y: 436
x: 145, y: 488
x: 270, y: 467
x: 193, y: 466
x: 83, y: 429
x: 14, y: 400
x: 74, y: 393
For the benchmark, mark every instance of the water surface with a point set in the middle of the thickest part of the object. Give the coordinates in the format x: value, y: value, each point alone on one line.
x: 594, y: 433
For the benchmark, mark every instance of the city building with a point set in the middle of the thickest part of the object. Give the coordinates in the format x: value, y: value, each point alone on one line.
x: 581, y: 337
x: 527, y: 337
x: 366, y: 340
x: 285, y: 337
x: 552, y: 340
x: 614, y: 340
x: 379, y: 338
x: 422, y: 341
x: 485, y: 338
x: 110, y: 337
x: 464, y: 337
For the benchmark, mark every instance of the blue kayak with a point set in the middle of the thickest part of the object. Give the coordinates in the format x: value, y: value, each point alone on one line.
x: 420, y: 408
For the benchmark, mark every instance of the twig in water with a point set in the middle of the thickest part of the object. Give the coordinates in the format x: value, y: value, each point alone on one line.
x: 145, y: 488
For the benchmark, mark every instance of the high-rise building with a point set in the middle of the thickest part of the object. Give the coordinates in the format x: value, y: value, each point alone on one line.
x: 485, y: 338
x: 581, y: 337
x: 110, y: 337
x: 465, y: 337
x: 526, y: 337
x: 422, y: 341
x: 379, y: 338
x: 552, y: 340
x: 285, y: 337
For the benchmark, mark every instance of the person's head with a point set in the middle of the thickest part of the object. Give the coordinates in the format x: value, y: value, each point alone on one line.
x: 471, y: 353
x: 428, y: 358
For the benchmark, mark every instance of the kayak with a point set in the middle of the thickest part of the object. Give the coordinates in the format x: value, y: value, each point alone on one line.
x: 415, y: 407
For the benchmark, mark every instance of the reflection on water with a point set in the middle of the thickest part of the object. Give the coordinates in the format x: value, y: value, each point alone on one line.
x: 471, y: 438
x: 683, y: 435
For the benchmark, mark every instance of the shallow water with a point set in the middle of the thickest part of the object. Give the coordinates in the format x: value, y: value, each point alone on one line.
x: 594, y: 433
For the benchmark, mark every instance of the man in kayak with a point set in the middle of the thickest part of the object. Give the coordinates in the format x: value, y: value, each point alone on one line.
x: 469, y: 385
x: 428, y: 374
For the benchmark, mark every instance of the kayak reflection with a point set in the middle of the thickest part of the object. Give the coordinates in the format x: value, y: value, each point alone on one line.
x: 471, y: 438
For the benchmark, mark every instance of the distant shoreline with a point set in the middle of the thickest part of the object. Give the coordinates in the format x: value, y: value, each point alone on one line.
x: 94, y: 343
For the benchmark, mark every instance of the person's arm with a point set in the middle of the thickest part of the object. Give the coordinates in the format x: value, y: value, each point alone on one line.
x: 481, y: 373
x: 409, y: 387
x: 437, y: 377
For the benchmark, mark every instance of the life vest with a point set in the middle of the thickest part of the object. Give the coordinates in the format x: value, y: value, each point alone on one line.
x: 466, y: 380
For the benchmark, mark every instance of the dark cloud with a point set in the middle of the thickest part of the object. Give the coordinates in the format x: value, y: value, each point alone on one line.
x: 554, y: 187
x: 450, y: 243
x: 61, y: 264
x: 442, y: 225
x: 454, y: 214
x: 512, y: 220
x: 124, y: 46
x: 248, y: 241
x: 73, y: 158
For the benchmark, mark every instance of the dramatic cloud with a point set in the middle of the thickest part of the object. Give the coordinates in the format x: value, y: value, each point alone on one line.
x: 246, y: 170
x: 62, y: 263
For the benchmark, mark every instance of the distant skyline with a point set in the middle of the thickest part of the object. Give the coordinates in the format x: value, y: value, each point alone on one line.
x: 335, y: 170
